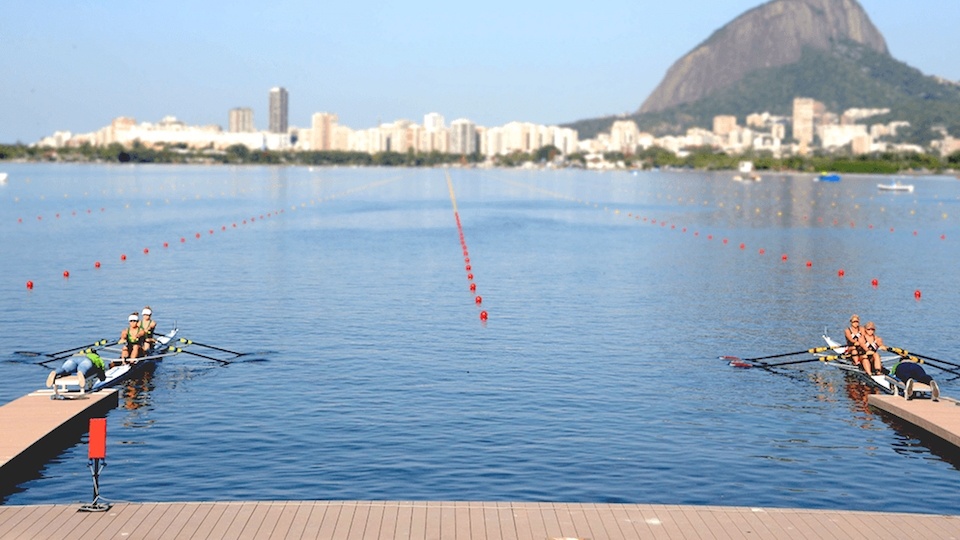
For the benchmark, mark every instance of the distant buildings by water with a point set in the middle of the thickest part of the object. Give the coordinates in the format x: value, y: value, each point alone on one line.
x: 811, y: 126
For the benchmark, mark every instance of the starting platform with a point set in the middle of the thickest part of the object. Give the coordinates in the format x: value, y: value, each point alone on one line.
x: 941, y: 418
x: 36, y: 428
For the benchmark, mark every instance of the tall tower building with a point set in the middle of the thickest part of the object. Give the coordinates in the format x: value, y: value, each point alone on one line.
x: 324, y: 125
x: 278, y: 110
x: 806, y: 113
x: 463, y: 137
x: 241, y: 120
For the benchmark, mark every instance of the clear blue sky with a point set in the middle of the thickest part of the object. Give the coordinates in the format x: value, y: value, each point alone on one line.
x: 75, y: 66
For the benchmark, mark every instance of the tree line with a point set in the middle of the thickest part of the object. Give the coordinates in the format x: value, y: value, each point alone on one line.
x: 701, y: 158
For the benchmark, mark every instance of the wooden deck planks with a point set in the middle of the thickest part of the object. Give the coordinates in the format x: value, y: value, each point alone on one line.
x: 942, y: 418
x: 29, y: 422
x: 347, y: 520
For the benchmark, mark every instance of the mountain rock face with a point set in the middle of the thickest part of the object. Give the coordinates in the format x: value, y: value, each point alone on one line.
x: 772, y: 35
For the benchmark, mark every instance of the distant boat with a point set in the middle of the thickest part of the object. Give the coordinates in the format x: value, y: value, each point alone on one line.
x: 3, y: 178
x: 747, y: 178
x: 824, y: 177
x: 896, y: 186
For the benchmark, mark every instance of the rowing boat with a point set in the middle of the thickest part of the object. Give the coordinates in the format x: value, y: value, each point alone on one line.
x: 883, y: 382
x: 118, y: 371
x: 887, y: 383
x: 896, y: 186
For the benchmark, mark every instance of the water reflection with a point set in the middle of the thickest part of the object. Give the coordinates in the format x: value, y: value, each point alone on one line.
x: 859, y: 394
x: 135, y: 392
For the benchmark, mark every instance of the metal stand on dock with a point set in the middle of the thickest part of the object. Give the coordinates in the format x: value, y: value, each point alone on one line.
x: 97, y: 461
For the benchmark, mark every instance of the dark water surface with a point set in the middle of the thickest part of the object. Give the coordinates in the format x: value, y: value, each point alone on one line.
x: 595, y: 379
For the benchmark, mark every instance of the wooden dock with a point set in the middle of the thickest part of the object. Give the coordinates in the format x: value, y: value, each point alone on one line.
x: 941, y: 418
x: 460, y: 521
x: 36, y: 428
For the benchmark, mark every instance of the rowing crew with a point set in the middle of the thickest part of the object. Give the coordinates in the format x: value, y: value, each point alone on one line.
x: 136, y: 341
x: 864, y: 348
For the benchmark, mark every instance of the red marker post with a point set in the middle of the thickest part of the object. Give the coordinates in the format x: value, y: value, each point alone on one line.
x: 97, y: 455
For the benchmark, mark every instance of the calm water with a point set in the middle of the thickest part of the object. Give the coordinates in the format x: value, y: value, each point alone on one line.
x: 371, y: 376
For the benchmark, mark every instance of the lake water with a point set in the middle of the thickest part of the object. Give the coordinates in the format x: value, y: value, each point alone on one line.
x: 370, y: 374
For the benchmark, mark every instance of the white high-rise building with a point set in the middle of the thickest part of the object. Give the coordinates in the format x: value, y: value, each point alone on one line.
x: 241, y: 120
x: 278, y: 110
x: 433, y: 122
x: 323, y: 126
x: 463, y: 136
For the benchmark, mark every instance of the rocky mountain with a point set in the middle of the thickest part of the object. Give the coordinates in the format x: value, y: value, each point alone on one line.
x: 772, y: 35
x: 823, y: 49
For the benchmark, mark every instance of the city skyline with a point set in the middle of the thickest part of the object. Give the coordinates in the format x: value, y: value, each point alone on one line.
x: 82, y: 66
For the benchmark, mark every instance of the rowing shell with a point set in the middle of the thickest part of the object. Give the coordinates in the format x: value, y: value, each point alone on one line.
x: 884, y: 382
x: 119, y: 372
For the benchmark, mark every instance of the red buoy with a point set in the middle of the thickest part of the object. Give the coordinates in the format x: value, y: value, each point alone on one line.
x: 468, y: 268
x: 470, y: 276
x: 809, y: 264
x: 483, y: 315
x: 29, y: 285
x: 762, y: 251
x: 96, y: 264
x: 478, y: 300
x: 146, y: 250
x: 874, y: 282
x: 66, y: 273
x: 840, y: 272
x: 783, y: 257
x: 182, y: 239
x: 165, y: 244
x: 123, y: 257
x: 916, y: 294
x: 473, y: 287
x: 743, y: 246
x: 198, y: 235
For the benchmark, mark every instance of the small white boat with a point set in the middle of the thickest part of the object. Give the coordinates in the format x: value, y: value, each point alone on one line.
x: 896, y: 186
x: 3, y: 178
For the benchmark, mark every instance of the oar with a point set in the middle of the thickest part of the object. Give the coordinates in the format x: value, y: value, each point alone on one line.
x: 903, y: 352
x: 84, y: 351
x: 191, y: 342
x: 765, y: 365
x: 811, y: 351
x: 180, y: 350
x: 58, y: 353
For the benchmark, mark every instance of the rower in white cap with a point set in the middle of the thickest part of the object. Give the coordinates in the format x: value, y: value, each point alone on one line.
x: 131, y: 338
x: 148, y: 325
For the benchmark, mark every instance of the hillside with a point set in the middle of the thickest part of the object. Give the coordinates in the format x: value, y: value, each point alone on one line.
x: 848, y: 75
x: 824, y: 49
x: 772, y: 35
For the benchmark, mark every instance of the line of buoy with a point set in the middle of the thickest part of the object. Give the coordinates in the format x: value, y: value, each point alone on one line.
x: 478, y: 300
x: 266, y: 215
x: 874, y: 283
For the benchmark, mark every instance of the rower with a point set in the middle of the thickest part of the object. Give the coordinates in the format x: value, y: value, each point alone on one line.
x: 148, y: 325
x: 854, y: 334
x: 872, y: 344
x: 132, y: 339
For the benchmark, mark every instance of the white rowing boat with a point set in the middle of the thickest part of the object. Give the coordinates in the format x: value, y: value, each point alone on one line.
x: 887, y: 383
x: 896, y: 186
x: 117, y: 372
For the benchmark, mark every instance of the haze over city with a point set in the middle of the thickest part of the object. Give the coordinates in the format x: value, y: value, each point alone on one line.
x: 76, y: 67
